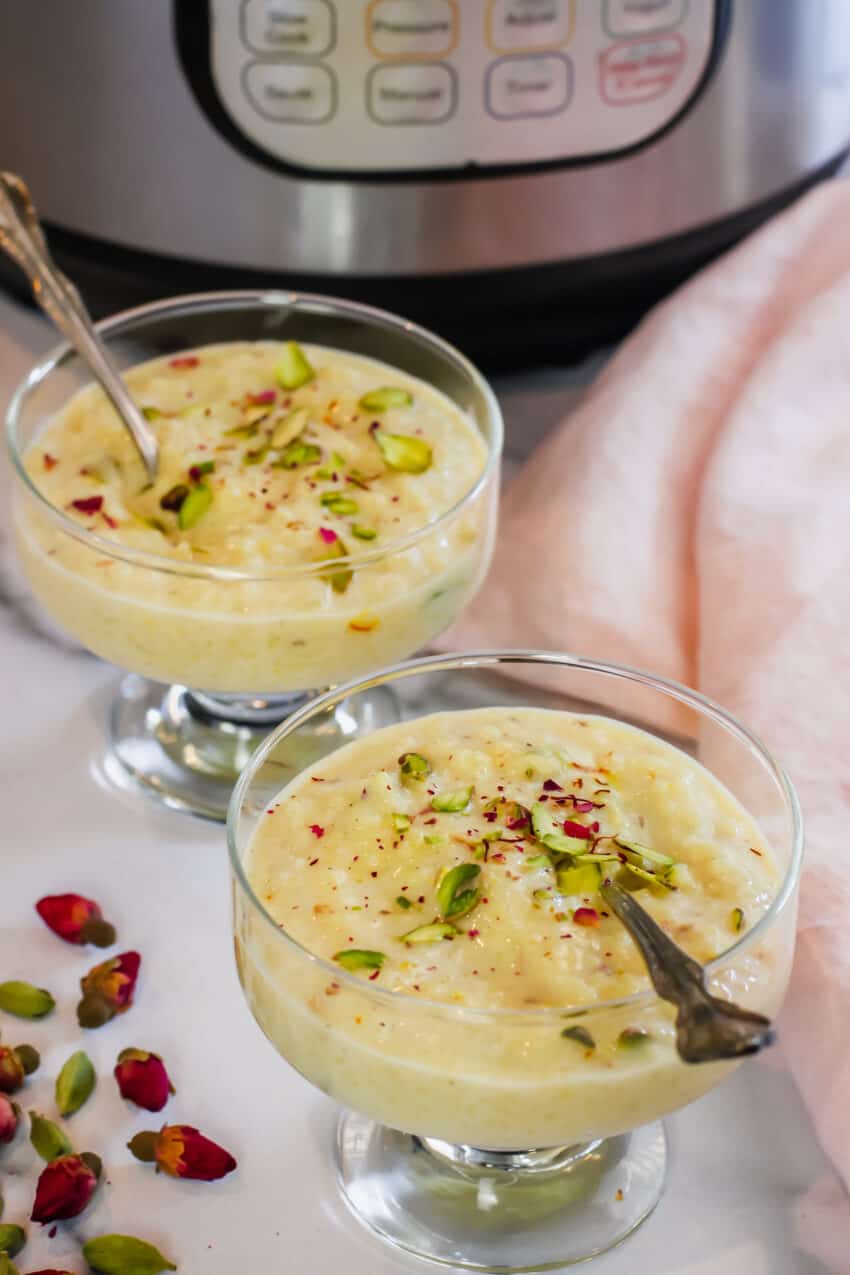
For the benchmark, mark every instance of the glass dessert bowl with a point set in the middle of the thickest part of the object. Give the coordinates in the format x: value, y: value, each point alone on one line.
x: 419, y: 932
x: 326, y: 504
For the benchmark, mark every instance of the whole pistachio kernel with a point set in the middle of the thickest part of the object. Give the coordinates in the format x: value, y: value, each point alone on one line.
x: 25, y: 1001
x: 48, y: 1139
x: 124, y: 1255
x: 336, y: 503
x: 580, y: 1035
x: 12, y: 1239
x: 433, y: 933
x: 452, y: 899
x: 413, y: 766
x: 736, y: 920
x: 402, y: 452
x: 75, y: 1083
x: 194, y: 506
x: 290, y: 427
x: 293, y: 369
x: 451, y: 802
x: 633, y: 1038
x: 381, y: 400
x: 174, y: 497
x: 354, y: 958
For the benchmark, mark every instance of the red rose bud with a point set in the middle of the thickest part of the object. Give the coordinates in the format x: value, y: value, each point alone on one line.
x: 183, y: 1152
x: 65, y: 1187
x: 15, y: 1064
x: 75, y: 919
x: 10, y: 1114
x: 108, y: 989
x: 142, y: 1079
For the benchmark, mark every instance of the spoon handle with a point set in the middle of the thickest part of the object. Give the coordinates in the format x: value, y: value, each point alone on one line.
x: 707, y: 1027
x: 22, y: 239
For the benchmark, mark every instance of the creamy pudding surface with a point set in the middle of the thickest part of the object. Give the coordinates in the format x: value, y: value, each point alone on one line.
x: 298, y: 467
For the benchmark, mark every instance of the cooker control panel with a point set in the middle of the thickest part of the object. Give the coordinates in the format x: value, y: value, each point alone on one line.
x: 385, y: 86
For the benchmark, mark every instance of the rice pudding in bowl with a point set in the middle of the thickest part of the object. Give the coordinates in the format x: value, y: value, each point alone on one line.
x: 419, y: 931
x: 325, y: 504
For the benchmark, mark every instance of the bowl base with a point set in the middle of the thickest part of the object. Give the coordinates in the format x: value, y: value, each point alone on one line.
x: 497, y: 1211
x: 187, y: 749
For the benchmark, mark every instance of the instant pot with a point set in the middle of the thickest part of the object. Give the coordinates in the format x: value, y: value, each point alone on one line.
x: 525, y: 176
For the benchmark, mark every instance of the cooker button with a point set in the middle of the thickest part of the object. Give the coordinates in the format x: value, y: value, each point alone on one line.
x: 412, y: 28
x: 529, y: 25
x: 307, y: 27
x: 642, y: 17
x: 522, y: 87
x: 640, y: 70
x: 411, y: 93
x: 291, y: 92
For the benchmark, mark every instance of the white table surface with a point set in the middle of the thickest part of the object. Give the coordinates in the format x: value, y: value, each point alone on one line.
x: 743, y: 1158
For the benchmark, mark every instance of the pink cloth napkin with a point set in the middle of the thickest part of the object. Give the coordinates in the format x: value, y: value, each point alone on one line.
x: 692, y: 517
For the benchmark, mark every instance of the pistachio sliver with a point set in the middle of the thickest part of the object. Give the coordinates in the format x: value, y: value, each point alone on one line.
x: 337, y: 503
x: 584, y: 878
x: 452, y: 899
x: 290, y: 427
x: 402, y: 452
x: 297, y: 453
x: 413, y: 766
x: 580, y: 1035
x: 255, y: 414
x: 242, y: 431
x: 363, y: 533
x: 548, y: 831
x: 257, y: 456
x: 340, y: 577
x: 381, y: 400
x: 293, y: 369
x: 451, y: 802
x: 645, y: 861
x: 194, y: 506
x: 355, y: 958
x: 435, y: 932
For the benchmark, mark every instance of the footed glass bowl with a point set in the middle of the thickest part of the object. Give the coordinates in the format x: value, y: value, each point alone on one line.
x: 217, y: 655
x: 482, y: 1138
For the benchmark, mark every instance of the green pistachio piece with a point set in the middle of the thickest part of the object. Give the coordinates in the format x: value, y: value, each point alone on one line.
x: 432, y: 933
x: 354, y: 958
x: 151, y: 413
x: 645, y: 865
x: 434, y: 839
x: 580, y: 1035
x: 297, y: 453
x: 242, y: 431
x: 25, y: 1001
x: 47, y: 1138
x: 402, y: 452
x: 537, y: 861
x: 383, y: 399
x: 124, y: 1255
x: 340, y: 577
x: 363, y: 533
x: 290, y: 427
x: 543, y: 895
x: 584, y: 878
x: 403, y: 902
x: 194, y: 506
x: 203, y: 467
x: 337, y: 503
x: 257, y: 456
x: 509, y: 814
x: 75, y: 1083
x: 174, y: 497
x: 293, y: 369
x: 452, y: 899
x: 401, y: 823
x: 633, y: 1038
x: 337, y: 460
x: 548, y: 830
x: 455, y: 800
x: 12, y: 1239
x: 256, y: 414
x: 413, y: 766
x: 736, y: 921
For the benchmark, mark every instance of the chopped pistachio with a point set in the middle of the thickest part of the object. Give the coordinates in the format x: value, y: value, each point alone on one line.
x: 255, y: 414
x: 340, y: 577
x: 543, y: 895
x: 242, y: 431
x: 363, y: 533
x: 452, y: 899
x: 151, y: 413
x: 648, y: 865
x: 337, y: 460
x: 355, y: 958
x: 297, y: 453
x: 548, y: 830
x: 736, y: 920
x: 580, y: 1035
x: 510, y: 814
x: 582, y: 879
x: 202, y: 467
x: 294, y: 368
x: 413, y: 766
x: 384, y: 398
x: 434, y: 839
x: 337, y: 503
x: 633, y: 1038
x: 401, y: 823
x: 174, y: 497
x: 401, y: 451
x: 453, y: 801
x: 194, y: 506
x: 432, y: 933
x: 403, y: 902
x: 257, y: 456
x: 537, y: 861
x: 290, y: 427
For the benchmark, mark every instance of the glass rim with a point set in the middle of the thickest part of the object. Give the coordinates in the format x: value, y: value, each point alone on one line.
x: 125, y: 320
x: 492, y: 659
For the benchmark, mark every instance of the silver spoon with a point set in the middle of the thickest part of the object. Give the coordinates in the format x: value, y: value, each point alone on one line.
x: 707, y: 1028
x: 22, y: 239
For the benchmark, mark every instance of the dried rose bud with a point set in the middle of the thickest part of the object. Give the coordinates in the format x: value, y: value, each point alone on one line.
x: 10, y: 1114
x: 183, y: 1152
x: 75, y: 919
x: 108, y: 989
x: 65, y: 1187
x: 11, y: 1070
x: 143, y: 1079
